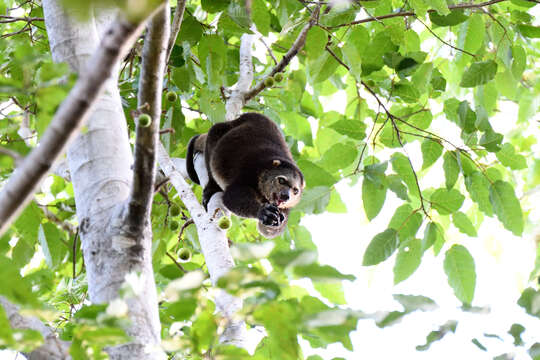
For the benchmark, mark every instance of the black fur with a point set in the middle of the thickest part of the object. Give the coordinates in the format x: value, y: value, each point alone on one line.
x: 240, y: 156
x: 189, y: 160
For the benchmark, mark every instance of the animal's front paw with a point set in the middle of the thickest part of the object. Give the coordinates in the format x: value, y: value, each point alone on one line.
x: 270, y: 215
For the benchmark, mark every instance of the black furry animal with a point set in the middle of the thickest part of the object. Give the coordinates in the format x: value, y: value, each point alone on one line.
x: 250, y: 162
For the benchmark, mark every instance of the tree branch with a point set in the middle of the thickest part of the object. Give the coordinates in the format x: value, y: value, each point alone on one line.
x: 176, y: 24
x: 52, y: 348
x: 412, y: 13
x: 67, y: 120
x: 295, y: 48
x: 150, y: 89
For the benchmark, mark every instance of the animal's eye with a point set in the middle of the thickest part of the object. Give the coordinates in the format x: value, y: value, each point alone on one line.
x: 282, y: 181
x: 295, y: 191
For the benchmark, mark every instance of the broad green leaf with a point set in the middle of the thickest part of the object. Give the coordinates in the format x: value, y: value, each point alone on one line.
x: 261, y: 16
x: 373, y: 196
x: 508, y: 157
x: 466, y: 117
x: 454, y: 18
x: 280, y: 319
x: 315, y: 175
x: 324, y: 66
x: 451, y: 169
x: 406, y: 222
x: 415, y: 302
x: 519, y: 61
x: 204, y: 330
x: 477, y: 185
x: 408, y: 260
x: 402, y: 166
x: 506, y: 206
x: 214, y: 5
x: 433, y: 233
x: 321, y: 273
x: 352, y: 128
x: 314, y: 200
x: 339, y: 157
x: 336, y: 204
x: 460, y: 269
x: 315, y: 42
x: 516, y: 330
x: 462, y: 222
x: 529, y: 31
x: 440, y: 6
x: 479, y: 73
x: 332, y: 291
x: 447, y: 201
x: 381, y: 247
x: 431, y: 151
x: 396, y: 185
x: 50, y: 239
x: 27, y: 224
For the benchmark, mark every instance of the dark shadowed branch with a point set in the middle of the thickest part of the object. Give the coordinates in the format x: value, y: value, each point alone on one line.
x: 149, y: 99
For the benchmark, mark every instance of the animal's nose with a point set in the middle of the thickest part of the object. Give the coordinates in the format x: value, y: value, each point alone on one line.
x: 284, y: 196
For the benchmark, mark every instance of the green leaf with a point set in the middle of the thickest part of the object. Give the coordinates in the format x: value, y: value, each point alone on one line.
x: 451, y: 169
x: 440, y: 6
x: 415, y: 302
x: 454, y: 18
x: 315, y: 42
x: 27, y: 224
x: 431, y: 151
x: 381, y: 247
x: 466, y: 117
x: 462, y: 222
x: 261, y: 16
x: 50, y: 239
x: 315, y: 175
x: 213, y: 6
x: 406, y: 222
x: 373, y: 190
x: 402, y: 166
x: 324, y: 66
x: 314, y: 200
x: 408, y: 260
x: 396, y: 185
x: 204, y: 330
x: 433, y: 233
x: 355, y: 129
x: 436, y: 335
x: 336, y: 205
x: 479, y: 73
x: 332, y: 291
x: 529, y: 31
x: 280, y: 319
x: 506, y: 206
x: 321, y: 273
x: 339, y: 157
x: 508, y: 157
x: 516, y: 330
x: 459, y: 267
x: 447, y: 201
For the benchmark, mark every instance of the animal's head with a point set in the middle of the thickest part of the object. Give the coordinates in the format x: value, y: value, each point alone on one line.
x: 282, y: 185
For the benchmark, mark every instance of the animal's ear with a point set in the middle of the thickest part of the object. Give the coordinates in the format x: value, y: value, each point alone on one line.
x: 276, y: 163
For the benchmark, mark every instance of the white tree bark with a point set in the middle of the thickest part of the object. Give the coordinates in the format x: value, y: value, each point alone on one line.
x: 99, y: 162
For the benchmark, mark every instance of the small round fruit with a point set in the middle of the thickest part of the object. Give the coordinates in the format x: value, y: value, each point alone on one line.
x: 144, y: 120
x: 184, y: 255
x: 173, y: 225
x: 224, y: 223
x: 171, y: 96
x: 278, y: 77
x: 269, y: 81
x: 174, y: 210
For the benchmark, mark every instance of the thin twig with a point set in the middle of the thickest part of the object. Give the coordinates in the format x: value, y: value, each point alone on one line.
x: 411, y: 13
x: 295, y: 48
x: 443, y: 41
x: 176, y: 262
